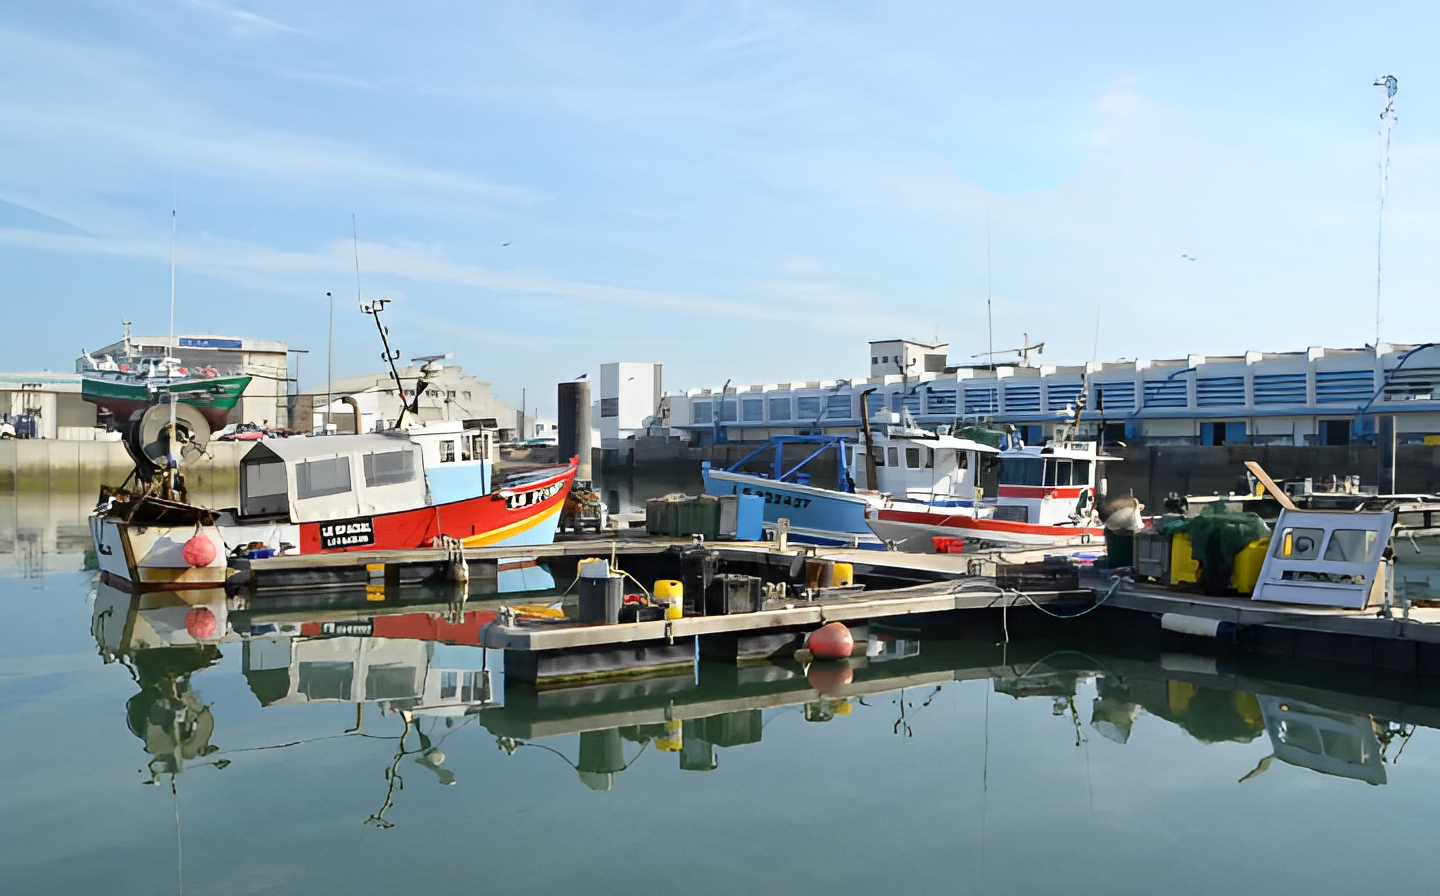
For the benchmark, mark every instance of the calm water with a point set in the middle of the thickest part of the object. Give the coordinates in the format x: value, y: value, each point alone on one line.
x: 963, y: 767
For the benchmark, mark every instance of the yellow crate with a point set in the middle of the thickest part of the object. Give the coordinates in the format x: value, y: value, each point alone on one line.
x: 1183, y: 567
x: 1246, y: 571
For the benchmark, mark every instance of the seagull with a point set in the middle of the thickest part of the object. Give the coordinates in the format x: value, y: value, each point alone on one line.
x: 1187, y: 257
x: 582, y: 376
x: 504, y: 244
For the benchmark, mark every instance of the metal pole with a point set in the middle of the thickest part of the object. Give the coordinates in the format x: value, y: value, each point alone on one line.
x: 173, y: 455
x: 330, y: 366
x: 870, y: 480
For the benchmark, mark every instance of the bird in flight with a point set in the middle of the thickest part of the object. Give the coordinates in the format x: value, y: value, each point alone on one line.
x: 582, y: 376
x: 1187, y: 257
x: 504, y: 244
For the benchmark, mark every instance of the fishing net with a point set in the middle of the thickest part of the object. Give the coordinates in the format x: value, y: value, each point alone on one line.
x: 1216, y: 536
x: 982, y: 434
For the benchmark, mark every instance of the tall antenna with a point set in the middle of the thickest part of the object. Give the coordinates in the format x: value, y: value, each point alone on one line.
x: 989, y: 312
x: 1387, y: 116
x: 355, y: 241
x: 173, y: 230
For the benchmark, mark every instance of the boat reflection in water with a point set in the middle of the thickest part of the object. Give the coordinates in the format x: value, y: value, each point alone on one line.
x: 422, y: 671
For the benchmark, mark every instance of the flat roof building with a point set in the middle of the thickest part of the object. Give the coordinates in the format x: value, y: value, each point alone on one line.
x: 1319, y: 396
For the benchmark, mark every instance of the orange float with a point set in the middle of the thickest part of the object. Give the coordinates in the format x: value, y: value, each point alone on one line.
x: 831, y: 642
x: 199, y: 551
x: 201, y: 623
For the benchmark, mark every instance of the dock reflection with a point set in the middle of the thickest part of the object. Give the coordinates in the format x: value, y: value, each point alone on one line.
x: 421, y: 672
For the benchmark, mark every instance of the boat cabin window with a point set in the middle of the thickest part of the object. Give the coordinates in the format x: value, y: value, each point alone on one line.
x: 962, y: 460
x: 912, y: 458
x: 1022, y: 471
x: 316, y: 478
x: 894, y: 454
x: 389, y: 468
x: 1067, y: 472
x: 879, y: 455
x: 447, y: 451
x: 1353, y: 546
x: 263, y: 489
x: 1299, y: 544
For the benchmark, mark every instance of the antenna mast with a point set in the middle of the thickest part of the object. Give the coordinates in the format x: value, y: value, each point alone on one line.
x: 173, y: 460
x: 1387, y: 116
x: 989, y: 312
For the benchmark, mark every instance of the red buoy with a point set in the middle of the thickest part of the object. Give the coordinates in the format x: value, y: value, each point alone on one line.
x: 199, y: 551
x: 201, y: 623
x: 831, y: 642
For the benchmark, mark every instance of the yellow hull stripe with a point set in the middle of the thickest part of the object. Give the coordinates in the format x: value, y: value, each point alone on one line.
x: 504, y: 532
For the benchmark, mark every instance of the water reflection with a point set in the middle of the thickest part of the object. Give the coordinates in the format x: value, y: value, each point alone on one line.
x: 417, y: 673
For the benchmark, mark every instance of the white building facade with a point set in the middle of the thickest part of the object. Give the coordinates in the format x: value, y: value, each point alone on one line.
x: 1321, y: 396
x: 630, y: 394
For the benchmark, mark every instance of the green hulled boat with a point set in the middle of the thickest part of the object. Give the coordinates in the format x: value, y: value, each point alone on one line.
x: 123, y: 394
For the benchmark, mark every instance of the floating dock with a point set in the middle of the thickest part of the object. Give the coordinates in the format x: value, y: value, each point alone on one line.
x: 942, y: 595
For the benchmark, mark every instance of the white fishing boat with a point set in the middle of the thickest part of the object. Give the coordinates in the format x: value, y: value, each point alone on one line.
x: 1046, y: 495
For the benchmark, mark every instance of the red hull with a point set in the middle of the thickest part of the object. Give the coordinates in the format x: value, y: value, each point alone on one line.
x: 516, y: 514
x: 979, y: 528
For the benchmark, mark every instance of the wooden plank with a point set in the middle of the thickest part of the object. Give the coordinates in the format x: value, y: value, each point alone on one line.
x: 1275, y: 491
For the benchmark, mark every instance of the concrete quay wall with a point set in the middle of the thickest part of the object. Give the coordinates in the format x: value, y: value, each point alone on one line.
x: 55, y: 466
x: 1150, y: 472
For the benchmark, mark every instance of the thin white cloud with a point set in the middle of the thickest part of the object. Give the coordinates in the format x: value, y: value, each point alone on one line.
x: 241, y: 21
x: 286, y: 272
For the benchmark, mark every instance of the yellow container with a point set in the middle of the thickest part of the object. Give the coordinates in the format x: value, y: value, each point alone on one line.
x: 1183, y: 567
x: 1246, y: 571
x: 673, y: 740
x: 843, y: 575
x: 672, y: 594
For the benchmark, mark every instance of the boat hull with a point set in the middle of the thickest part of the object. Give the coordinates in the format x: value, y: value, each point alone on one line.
x: 915, y: 530
x: 817, y: 515
x: 519, y: 513
x: 214, y: 398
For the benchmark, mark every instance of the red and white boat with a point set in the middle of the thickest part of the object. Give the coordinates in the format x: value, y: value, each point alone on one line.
x: 1046, y: 495
x: 394, y: 490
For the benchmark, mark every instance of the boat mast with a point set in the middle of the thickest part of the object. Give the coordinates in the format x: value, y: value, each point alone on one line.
x: 173, y: 459
x: 1387, y: 116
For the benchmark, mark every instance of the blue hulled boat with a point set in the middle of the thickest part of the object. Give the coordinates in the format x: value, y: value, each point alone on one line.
x: 824, y: 513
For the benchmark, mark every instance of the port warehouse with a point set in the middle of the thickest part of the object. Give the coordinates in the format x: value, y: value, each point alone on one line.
x: 51, y: 405
x: 1316, y: 397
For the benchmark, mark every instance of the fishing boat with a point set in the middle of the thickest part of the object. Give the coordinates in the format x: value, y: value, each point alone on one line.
x: 396, y: 490
x: 129, y: 385
x: 906, y: 467
x: 418, y: 485
x: 1046, y: 495
x: 832, y: 516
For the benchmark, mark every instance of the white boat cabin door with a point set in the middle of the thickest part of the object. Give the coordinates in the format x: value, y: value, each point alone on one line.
x: 1326, y: 558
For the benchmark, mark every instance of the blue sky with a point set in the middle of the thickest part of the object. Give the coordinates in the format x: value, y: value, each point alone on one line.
x: 746, y: 191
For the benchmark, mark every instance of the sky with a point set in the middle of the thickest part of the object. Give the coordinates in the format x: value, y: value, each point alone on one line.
x: 744, y: 191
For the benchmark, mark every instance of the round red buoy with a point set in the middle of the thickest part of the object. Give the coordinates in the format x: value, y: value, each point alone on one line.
x: 831, y: 642
x: 200, y: 623
x: 827, y: 678
x: 199, y: 551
